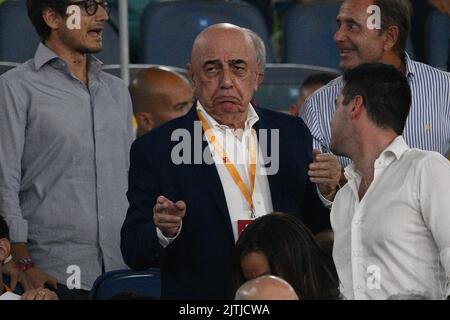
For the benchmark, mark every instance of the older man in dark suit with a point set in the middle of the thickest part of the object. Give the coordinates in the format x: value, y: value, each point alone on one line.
x: 209, y: 173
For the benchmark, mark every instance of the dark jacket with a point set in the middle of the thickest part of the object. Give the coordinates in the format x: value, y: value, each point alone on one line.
x: 196, y: 265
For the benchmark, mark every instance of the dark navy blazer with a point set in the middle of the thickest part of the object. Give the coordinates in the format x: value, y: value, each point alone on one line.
x: 196, y: 264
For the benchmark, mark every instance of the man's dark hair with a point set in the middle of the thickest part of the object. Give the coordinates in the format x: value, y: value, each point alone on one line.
x: 396, y: 13
x: 36, y: 8
x: 321, y: 78
x: 385, y: 92
x: 292, y: 254
x: 4, y: 230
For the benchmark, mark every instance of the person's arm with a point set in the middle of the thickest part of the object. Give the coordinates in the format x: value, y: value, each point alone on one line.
x: 139, y: 242
x: 316, y: 215
x: 34, y: 277
x: 434, y: 201
x: 13, y: 122
x: 325, y: 172
x: 308, y: 114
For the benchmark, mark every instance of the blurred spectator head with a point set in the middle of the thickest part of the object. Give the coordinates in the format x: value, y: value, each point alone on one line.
x: 159, y: 95
x: 308, y: 87
x: 281, y: 245
x: 266, y: 288
x: 358, y: 43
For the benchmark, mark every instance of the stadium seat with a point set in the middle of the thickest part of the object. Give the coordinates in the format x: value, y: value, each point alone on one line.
x: 308, y: 35
x: 114, y: 69
x: 168, y: 29
x: 437, y: 37
x: 145, y: 284
x: 19, y: 40
x: 280, y: 88
x: 5, y: 66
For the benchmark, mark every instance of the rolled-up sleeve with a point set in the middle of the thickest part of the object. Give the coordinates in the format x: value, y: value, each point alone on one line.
x: 13, y: 120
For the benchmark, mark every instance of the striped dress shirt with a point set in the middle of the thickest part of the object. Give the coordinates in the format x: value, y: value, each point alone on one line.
x: 427, y: 126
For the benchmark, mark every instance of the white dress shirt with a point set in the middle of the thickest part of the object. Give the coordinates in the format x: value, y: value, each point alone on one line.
x: 396, y: 240
x: 237, y: 150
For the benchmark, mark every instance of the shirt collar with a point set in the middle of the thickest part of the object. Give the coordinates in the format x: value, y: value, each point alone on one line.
x: 393, y: 151
x: 252, y: 117
x: 410, y: 67
x: 44, y: 55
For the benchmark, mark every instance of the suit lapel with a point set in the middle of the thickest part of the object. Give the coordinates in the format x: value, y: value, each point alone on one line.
x: 275, y: 180
x: 207, y: 173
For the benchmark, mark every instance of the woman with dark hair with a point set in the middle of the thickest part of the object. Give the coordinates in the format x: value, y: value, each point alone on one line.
x: 281, y: 245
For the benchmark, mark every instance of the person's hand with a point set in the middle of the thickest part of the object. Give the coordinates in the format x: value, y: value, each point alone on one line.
x: 38, y: 278
x: 16, y: 276
x: 168, y: 215
x: 39, y: 294
x: 442, y: 5
x: 325, y: 171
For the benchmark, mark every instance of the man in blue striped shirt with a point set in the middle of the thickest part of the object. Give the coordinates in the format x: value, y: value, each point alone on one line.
x: 428, y: 123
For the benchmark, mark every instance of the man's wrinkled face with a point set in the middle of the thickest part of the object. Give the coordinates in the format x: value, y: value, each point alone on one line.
x: 357, y: 44
x: 224, y: 72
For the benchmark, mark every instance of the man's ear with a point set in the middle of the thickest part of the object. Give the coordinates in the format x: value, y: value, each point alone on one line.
x: 190, y: 73
x: 259, y: 79
x: 5, y: 248
x: 356, y: 107
x: 390, y: 38
x: 145, y: 120
x: 51, y: 18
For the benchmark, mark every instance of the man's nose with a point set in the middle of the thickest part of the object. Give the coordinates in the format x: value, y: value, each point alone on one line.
x: 227, y: 78
x: 102, y: 14
x: 339, y: 35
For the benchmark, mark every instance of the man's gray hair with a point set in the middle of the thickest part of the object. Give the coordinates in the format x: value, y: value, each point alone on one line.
x: 260, y: 48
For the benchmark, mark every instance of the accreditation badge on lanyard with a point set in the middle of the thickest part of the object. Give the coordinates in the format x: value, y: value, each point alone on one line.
x: 242, y: 224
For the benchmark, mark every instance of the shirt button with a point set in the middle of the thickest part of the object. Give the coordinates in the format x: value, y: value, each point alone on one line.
x: 358, y: 287
x: 356, y: 254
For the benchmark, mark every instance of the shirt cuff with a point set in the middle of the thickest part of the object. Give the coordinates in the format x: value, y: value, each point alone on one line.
x: 327, y: 203
x: 165, y: 241
x: 18, y: 230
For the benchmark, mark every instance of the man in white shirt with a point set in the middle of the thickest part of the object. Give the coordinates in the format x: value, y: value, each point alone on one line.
x: 391, y: 220
x: 192, y: 198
